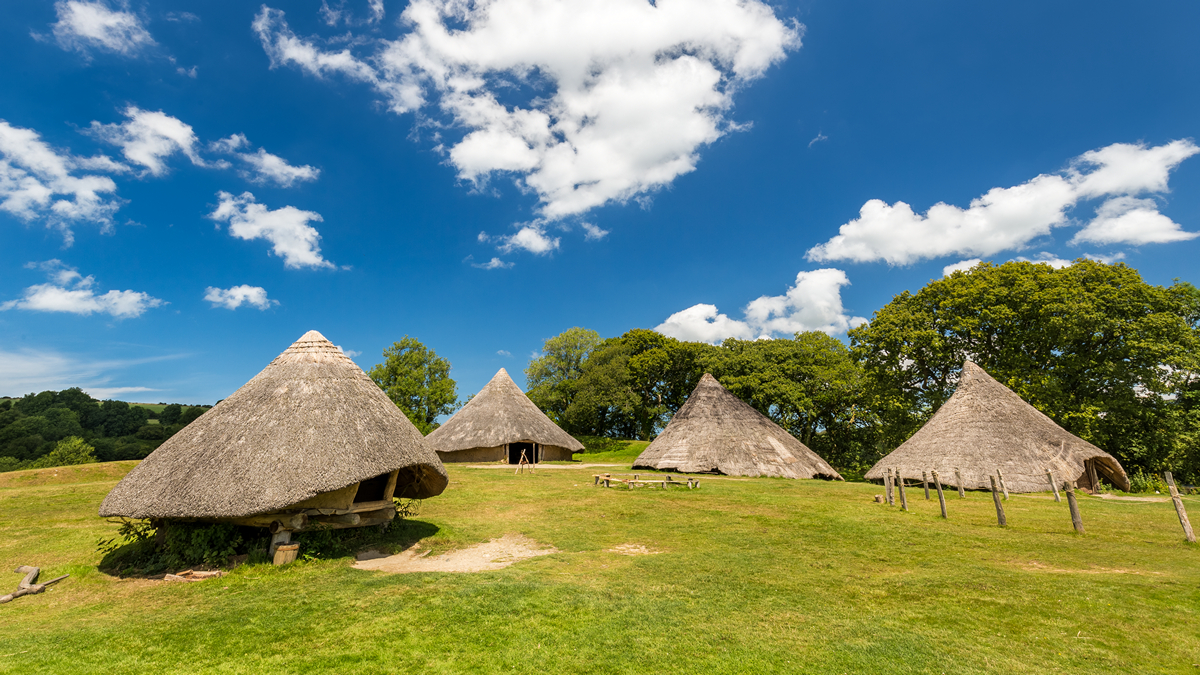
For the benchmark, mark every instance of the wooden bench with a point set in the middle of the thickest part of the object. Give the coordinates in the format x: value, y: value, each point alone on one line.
x: 609, y: 480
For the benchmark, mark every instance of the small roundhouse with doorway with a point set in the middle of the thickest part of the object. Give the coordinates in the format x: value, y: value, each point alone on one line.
x: 310, y: 441
x: 501, y: 424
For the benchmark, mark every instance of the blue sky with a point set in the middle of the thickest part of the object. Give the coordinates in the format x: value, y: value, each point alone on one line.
x: 186, y: 188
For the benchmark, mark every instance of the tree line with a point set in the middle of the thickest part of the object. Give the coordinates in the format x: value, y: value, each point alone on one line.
x: 1107, y: 356
x: 54, y: 428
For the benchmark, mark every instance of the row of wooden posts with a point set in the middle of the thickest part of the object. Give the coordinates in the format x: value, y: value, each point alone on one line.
x: 895, y: 480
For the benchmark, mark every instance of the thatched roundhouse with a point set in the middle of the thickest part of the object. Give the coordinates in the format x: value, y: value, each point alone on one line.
x: 499, y: 424
x: 716, y: 432
x: 311, y: 439
x: 986, y: 426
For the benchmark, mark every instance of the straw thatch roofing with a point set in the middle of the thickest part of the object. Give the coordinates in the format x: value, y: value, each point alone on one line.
x: 500, y: 413
x: 716, y: 431
x: 310, y: 422
x: 985, y: 426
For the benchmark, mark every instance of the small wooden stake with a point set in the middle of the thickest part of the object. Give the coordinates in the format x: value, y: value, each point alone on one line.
x: 888, y: 481
x: 1179, y: 510
x: 1053, y: 485
x: 941, y: 497
x: 1003, y: 487
x: 1076, y: 519
x: 925, y: 482
x: 900, y: 483
x: 999, y: 507
x: 962, y: 494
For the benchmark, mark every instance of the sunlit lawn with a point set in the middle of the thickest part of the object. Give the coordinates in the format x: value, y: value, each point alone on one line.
x: 754, y: 576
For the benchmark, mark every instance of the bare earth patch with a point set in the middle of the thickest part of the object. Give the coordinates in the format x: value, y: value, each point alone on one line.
x: 633, y: 549
x: 494, y: 555
x: 1035, y: 566
x: 1134, y: 499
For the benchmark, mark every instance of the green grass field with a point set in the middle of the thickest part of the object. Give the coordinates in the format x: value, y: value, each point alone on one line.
x: 753, y: 576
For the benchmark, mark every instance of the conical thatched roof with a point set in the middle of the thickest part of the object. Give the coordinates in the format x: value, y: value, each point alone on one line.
x: 985, y: 426
x: 310, y: 422
x: 500, y: 413
x: 716, y: 431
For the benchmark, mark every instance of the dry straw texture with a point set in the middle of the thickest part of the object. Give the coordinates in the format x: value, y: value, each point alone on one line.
x: 310, y: 422
x: 985, y: 426
x: 716, y: 432
x: 500, y: 413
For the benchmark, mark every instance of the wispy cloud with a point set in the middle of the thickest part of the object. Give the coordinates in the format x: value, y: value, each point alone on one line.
x: 493, y: 264
x: 24, y: 371
x: 265, y: 167
x: 69, y: 291
x: 85, y: 26
x: 149, y: 137
x: 817, y: 139
x: 504, y: 352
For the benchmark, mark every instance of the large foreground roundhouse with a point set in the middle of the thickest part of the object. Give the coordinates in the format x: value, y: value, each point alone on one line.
x: 985, y: 427
x: 500, y: 424
x: 310, y: 440
x: 716, y: 432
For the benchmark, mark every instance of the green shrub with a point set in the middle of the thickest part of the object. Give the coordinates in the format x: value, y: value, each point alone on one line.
x: 70, y: 450
x: 1140, y: 481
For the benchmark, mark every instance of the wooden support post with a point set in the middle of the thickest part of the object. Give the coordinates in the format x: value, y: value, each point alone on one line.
x: 888, y: 484
x: 1093, y: 476
x: 1053, y: 485
x: 900, y: 484
x: 1003, y: 487
x: 925, y: 483
x: 1179, y: 510
x: 962, y: 494
x: 941, y: 497
x: 1076, y: 519
x: 1003, y: 522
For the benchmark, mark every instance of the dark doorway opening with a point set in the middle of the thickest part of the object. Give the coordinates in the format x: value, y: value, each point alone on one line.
x: 514, y: 453
x: 372, y: 489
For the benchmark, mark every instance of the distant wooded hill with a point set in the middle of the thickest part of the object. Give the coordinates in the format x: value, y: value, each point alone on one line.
x: 31, y: 426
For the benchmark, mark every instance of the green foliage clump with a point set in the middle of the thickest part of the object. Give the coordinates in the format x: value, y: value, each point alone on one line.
x: 418, y: 382
x: 1107, y: 356
x: 1140, y: 481
x: 32, y: 426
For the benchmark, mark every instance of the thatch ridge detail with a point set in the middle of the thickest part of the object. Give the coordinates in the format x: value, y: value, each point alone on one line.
x: 500, y: 413
x: 716, y: 431
x: 311, y: 422
x: 985, y: 426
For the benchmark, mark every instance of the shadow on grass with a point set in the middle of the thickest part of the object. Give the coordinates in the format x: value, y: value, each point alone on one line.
x: 146, y: 552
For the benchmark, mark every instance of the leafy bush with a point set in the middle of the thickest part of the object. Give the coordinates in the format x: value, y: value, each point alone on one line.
x: 1140, y: 481
x: 142, y: 547
x: 68, y: 451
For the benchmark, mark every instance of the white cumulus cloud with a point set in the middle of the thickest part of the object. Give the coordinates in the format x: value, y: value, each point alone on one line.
x: 287, y: 228
x: 960, y: 266
x: 71, y: 292
x: 83, y: 26
x: 530, y: 238
x: 1129, y: 220
x: 584, y: 102
x: 814, y: 302
x: 149, y: 137
x: 232, y: 298
x: 39, y: 182
x: 1010, y: 218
